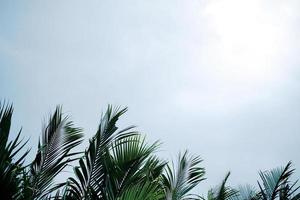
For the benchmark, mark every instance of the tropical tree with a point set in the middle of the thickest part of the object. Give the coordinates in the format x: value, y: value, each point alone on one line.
x: 116, y: 165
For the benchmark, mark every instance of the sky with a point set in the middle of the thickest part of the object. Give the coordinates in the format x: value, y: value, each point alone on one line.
x: 220, y: 78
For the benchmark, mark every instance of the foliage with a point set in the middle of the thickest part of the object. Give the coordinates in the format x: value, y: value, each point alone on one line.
x: 10, y: 166
x: 222, y: 192
x: 276, y: 183
x: 118, y: 164
x: 178, y: 182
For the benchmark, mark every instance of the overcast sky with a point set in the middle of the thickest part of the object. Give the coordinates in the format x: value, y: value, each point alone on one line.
x: 218, y: 77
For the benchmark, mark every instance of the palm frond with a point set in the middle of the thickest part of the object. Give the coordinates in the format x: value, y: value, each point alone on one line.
x: 289, y: 190
x: 145, y: 191
x: 222, y: 192
x: 178, y: 182
x: 6, y: 112
x: 273, y: 181
x: 59, y: 137
x: 128, y: 163
x: 246, y: 192
x: 10, y: 166
x: 91, y: 172
x: 296, y: 197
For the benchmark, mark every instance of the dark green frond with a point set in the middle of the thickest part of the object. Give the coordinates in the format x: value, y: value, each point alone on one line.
x: 59, y: 137
x: 92, y: 171
x: 128, y: 162
x: 178, y: 182
x: 144, y: 191
x: 11, y: 163
x: 273, y: 181
x: 6, y: 112
x: 222, y: 192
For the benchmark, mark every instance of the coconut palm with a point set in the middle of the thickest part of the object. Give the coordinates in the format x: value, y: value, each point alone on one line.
x: 116, y: 163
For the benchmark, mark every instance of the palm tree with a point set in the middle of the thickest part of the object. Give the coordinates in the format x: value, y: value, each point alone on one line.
x: 116, y: 164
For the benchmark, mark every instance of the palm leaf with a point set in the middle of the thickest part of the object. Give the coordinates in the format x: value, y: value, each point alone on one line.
x: 59, y: 137
x: 10, y: 166
x: 246, y: 192
x: 129, y: 162
x: 222, y: 192
x: 296, y: 197
x: 145, y: 191
x: 91, y: 173
x: 273, y: 181
x: 178, y: 182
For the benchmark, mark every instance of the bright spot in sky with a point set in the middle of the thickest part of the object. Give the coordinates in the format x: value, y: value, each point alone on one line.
x: 250, y: 39
x: 243, y: 55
